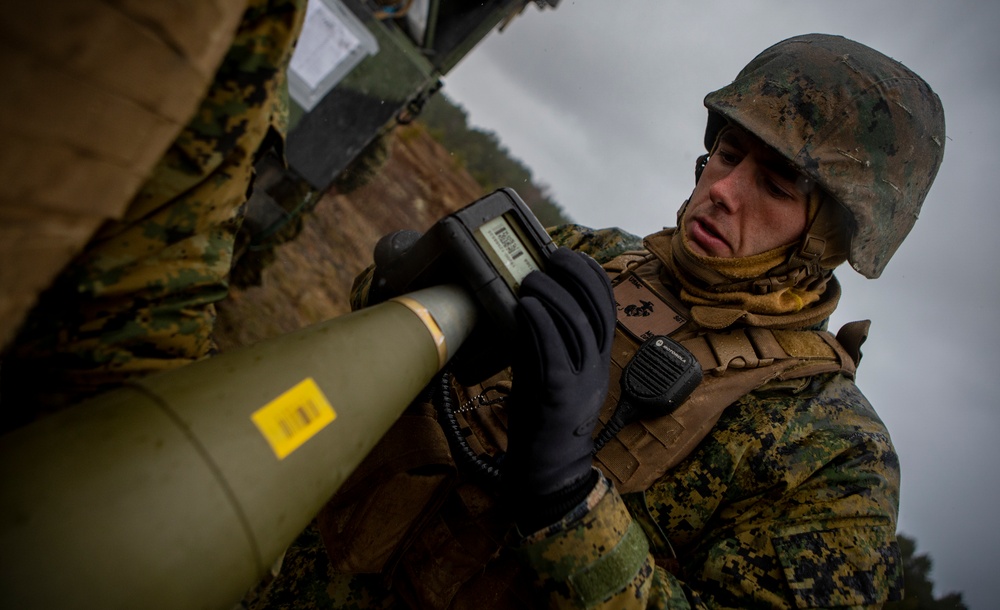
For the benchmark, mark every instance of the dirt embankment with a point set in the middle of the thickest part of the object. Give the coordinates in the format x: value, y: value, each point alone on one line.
x: 310, y: 281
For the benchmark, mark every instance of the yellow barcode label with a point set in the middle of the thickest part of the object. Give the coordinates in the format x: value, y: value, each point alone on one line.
x: 291, y: 419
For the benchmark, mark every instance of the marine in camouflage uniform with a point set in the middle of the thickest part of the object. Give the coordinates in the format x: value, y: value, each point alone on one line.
x: 140, y: 297
x: 790, y: 501
x: 791, y: 497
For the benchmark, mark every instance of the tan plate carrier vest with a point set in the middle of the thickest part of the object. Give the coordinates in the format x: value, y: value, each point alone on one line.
x: 406, y: 512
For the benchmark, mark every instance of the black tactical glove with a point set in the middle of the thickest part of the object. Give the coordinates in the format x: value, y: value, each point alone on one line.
x: 566, y: 321
x: 390, y: 249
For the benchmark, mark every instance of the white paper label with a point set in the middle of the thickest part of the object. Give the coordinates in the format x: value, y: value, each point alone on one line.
x: 324, y: 43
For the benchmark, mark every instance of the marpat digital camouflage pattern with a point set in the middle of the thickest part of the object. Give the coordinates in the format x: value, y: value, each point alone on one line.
x: 791, y: 501
x: 864, y: 126
x: 140, y: 297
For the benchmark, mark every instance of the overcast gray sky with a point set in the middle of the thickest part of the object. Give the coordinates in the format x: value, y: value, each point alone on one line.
x: 603, y: 100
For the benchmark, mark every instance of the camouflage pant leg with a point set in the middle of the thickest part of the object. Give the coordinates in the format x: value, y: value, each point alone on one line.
x: 134, y: 303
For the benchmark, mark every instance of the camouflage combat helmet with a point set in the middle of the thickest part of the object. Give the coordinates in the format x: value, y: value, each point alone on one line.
x: 867, y: 129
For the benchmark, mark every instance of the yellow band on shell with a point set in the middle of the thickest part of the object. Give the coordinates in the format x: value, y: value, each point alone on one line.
x: 431, y: 325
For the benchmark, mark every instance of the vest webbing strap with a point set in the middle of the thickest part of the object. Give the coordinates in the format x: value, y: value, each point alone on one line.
x: 750, y: 348
x: 735, y: 363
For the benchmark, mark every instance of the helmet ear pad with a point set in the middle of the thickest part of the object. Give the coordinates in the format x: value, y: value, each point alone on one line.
x: 699, y: 167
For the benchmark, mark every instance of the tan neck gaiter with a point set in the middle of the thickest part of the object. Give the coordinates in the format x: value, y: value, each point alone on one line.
x: 706, y: 282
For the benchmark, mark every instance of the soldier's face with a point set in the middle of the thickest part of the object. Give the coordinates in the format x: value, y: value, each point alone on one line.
x: 748, y: 200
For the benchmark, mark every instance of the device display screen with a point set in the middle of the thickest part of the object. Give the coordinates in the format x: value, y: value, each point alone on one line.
x: 506, y: 248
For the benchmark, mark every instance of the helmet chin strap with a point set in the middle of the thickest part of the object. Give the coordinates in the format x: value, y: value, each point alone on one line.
x: 803, y: 261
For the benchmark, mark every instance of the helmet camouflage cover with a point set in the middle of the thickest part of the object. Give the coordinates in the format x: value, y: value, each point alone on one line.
x: 865, y: 127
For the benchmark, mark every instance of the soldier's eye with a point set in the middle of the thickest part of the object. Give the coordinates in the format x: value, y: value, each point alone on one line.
x: 775, y: 189
x: 728, y: 157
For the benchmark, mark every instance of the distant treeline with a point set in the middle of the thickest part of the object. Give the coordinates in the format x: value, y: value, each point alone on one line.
x: 486, y: 159
x: 918, y: 586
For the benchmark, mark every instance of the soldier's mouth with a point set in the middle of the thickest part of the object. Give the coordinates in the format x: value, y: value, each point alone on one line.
x: 708, y: 238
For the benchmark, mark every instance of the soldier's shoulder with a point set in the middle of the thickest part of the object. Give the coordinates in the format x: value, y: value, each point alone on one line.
x: 602, y: 244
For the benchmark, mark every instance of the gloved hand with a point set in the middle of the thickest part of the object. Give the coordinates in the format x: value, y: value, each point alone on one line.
x: 566, y: 322
x: 389, y: 249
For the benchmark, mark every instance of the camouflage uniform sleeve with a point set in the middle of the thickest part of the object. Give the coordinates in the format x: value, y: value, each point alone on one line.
x: 790, y: 502
x: 601, y: 244
x: 598, y: 557
x: 140, y: 298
